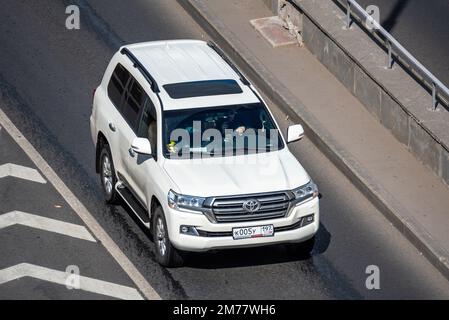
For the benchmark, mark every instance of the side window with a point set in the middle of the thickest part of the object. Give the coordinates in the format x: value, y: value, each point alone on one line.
x: 117, y: 84
x: 148, y: 125
x: 134, y: 102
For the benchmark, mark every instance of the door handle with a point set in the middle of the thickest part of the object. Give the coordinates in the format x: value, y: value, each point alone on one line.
x: 132, y: 153
x: 112, y: 127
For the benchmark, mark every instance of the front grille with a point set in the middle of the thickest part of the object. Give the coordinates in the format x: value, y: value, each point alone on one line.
x: 230, y: 209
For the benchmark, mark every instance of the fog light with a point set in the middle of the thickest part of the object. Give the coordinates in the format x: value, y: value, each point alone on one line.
x: 189, y: 230
x: 307, y: 220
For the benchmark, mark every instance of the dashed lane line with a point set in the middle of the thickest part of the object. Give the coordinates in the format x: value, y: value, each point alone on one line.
x: 134, y: 274
x: 63, y: 278
x: 21, y: 172
x: 47, y: 224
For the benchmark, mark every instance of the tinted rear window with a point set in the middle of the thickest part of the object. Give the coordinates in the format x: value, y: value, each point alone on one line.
x: 117, y: 84
x: 202, y: 88
x: 133, y: 104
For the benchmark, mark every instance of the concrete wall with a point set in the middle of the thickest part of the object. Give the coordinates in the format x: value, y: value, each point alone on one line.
x: 391, y: 97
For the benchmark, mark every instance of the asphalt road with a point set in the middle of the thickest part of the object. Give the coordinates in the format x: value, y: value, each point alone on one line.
x: 422, y: 27
x: 47, y: 75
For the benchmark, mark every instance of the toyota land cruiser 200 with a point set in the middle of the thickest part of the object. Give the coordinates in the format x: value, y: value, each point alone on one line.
x: 186, y: 141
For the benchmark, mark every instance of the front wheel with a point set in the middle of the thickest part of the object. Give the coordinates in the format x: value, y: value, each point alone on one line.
x: 166, y: 254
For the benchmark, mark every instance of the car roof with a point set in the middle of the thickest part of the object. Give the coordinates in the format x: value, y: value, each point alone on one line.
x: 182, y: 61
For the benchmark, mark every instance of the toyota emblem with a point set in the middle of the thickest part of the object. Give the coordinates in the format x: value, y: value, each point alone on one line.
x: 251, y: 205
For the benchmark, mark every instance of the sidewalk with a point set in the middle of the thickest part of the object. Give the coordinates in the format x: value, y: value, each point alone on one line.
x: 409, y: 194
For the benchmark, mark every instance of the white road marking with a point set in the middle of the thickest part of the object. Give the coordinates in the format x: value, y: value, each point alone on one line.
x: 60, y: 277
x: 21, y: 172
x: 47, y: 224
x: 140, y: 281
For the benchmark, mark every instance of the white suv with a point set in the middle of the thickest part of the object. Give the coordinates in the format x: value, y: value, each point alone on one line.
x: 187, y: 142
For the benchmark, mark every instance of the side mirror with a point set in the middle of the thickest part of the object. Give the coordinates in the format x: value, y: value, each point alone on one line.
x: 141, y: 146
x: 295, y: 133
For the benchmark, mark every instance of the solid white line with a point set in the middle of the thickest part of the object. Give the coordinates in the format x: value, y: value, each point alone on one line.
x: 79, y: 208
x: 21, y: 172
x: 47, y: 224
x: 60, y: 277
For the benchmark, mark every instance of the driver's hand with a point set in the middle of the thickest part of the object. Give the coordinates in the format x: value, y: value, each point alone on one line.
x: 240, y: 130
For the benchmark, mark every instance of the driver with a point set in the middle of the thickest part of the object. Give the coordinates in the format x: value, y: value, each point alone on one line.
x: 233, y: 122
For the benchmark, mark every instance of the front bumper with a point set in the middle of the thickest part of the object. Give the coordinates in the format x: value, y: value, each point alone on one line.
x: 287, y: 229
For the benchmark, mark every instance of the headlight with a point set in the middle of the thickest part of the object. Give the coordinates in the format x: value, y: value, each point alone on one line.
x: 309, y: 190
x: 179, y: 201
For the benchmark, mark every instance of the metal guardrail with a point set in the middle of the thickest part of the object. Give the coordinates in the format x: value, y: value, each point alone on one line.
x: 440, y: 93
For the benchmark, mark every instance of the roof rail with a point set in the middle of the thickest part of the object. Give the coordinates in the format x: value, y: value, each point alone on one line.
x: 145, y: 73
x: 229, y: 62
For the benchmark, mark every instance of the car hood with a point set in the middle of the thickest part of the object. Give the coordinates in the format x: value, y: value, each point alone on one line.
x: 256, y: 173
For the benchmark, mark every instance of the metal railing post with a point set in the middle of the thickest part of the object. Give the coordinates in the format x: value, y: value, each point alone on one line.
x: 390, y: 56
x: 434, y: 97
x: 348, y: 14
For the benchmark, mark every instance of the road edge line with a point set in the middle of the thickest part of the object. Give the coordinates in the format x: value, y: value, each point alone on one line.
x: 416, y: 234
x: 128, y: 267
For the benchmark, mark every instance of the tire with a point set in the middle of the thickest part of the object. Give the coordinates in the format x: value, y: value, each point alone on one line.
x: 302, y: 249
x: 107, y: 175
x: 166, y: 255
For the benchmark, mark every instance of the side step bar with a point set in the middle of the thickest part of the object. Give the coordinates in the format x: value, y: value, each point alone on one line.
x: 139, y: 210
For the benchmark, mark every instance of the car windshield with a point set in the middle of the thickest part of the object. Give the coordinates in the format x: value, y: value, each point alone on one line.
x: 220, y: 131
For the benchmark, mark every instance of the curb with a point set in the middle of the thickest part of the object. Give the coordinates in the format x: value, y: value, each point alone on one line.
x: 339, y: 156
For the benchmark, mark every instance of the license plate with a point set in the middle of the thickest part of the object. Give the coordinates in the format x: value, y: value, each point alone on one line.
x: 253, y: 232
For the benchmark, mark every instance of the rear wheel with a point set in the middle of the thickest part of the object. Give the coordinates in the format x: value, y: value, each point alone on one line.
x: 166, y: 254
x: 107, y: 175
